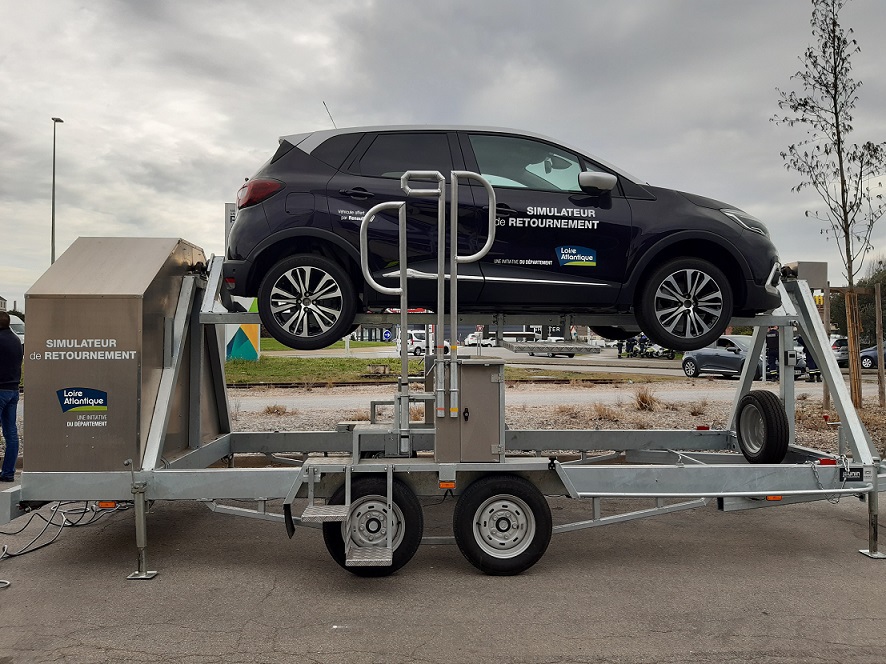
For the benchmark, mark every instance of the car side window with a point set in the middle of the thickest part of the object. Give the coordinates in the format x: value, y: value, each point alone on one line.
x: 510, y: 161
x: 390, y: 155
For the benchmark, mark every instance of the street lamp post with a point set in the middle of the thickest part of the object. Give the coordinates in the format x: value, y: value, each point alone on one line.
x: 55, y: 122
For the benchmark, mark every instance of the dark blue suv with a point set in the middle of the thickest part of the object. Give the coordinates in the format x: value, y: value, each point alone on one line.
x: 574, y: 235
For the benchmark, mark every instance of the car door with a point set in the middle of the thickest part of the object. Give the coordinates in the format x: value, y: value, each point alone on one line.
x: 371, y: 175
x: 555, y: 245
x: 727, y: 357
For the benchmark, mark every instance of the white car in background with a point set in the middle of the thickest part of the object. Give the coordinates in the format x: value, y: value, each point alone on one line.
x: 416, y: 343
x: 17, y: 325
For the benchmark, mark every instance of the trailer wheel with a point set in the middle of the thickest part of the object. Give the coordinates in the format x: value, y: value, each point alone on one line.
x: 367, y: 523
x: 762, y: 427
x: 502, y: 524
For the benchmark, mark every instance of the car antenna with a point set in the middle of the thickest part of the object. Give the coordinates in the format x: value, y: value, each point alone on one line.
x: 329, y: 114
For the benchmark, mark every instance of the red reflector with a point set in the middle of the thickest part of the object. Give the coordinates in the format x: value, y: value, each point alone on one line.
x: 827, y: 462
x: 702, y: 427
x: 255, y: 191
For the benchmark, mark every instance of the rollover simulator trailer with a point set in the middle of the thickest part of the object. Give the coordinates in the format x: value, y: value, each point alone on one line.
x: 140, y: 365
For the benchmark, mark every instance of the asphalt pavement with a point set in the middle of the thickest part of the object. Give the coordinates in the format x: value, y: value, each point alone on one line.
x: 767, y: 586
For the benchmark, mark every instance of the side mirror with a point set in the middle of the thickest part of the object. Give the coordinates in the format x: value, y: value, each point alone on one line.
x: 596, y: 183
x: 733, y: 349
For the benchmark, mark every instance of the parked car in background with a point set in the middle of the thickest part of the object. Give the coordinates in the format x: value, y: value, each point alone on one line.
x: 840, y: 346
x: 869, y: 358
x: 574, y: 235
x: 726, y: 356
x: 416, y: 343
x: 477, y: 339
x: 17, y: 325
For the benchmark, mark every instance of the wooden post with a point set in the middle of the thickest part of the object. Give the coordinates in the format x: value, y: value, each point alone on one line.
x: 826, y: 316
x: 881, y: 372
x: 851, y: 299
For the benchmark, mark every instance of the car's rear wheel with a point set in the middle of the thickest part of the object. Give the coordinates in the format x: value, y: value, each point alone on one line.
x: 690, y: 368
x: 685, y: 304
x: 307, y: 302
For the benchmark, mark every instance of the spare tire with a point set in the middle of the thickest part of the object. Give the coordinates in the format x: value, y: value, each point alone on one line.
x: 761, y: 426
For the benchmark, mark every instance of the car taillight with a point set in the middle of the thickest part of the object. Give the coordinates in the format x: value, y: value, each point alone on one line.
x: 255, y: 191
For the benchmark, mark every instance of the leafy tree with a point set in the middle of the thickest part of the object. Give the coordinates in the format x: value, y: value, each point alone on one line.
x: 839, y: 171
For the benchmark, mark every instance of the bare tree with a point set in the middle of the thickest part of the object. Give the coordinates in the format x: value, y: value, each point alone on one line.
x: 842, y: 173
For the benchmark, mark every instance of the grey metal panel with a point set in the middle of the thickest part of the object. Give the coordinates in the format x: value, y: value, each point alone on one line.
x: 171, y: 391
x: 9, y: 500
x: 627, y: 439
x: 116, y: 266
x: 705, y: 481
x: 60, y: 439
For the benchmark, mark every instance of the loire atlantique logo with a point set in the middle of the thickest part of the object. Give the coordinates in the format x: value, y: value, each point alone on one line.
x: 82, y: 399
x: 576, y: 256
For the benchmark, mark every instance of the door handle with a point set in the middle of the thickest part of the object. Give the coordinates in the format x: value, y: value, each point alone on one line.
x: 358, y: 193
x: 501, y: 210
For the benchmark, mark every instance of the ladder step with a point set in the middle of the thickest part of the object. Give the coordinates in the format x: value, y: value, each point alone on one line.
x: 325, y: 513
x: 369, y: 556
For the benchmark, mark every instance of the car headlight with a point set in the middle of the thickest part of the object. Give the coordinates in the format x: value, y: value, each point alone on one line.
x: 746, y: 221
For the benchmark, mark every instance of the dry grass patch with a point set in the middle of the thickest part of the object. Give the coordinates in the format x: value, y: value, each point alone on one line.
x: 605, y: 412
x: 698, y: 408
x: 275, y: 409
x: 645, y: 400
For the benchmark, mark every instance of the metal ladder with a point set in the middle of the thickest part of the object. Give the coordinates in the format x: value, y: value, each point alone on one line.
x: 375, y: 555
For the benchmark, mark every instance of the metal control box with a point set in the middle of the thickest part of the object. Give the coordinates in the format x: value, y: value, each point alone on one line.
x: 477, y: 433
x: 99, y: 322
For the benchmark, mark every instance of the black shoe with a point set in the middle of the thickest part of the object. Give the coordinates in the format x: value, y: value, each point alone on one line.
x: 7, y: 479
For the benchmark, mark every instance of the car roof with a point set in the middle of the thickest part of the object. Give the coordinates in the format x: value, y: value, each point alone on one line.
x: 308, y: 141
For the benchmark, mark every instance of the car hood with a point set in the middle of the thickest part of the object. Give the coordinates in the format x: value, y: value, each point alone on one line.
x: 702, y: 201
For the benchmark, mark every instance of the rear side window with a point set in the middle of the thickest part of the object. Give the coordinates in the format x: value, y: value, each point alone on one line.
x: 390, y: 155
x: 335, y: 150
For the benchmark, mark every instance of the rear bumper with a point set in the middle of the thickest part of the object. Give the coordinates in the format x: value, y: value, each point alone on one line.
x: 238, y: 271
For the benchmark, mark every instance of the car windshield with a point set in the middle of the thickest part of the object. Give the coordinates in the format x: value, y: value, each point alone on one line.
x: 18, y: 328
x: 742, y: 342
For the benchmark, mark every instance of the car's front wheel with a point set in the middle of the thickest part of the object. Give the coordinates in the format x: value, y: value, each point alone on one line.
x: 867, y: 362
x: 685, y: 304
x: 307, y: 302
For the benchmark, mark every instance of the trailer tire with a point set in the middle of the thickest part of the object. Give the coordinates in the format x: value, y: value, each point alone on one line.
x: 502, y: 524
x: 369, y: 493
x: 761, y: 426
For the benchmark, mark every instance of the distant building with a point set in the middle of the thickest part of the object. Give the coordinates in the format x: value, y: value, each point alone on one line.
x: 2, y: 303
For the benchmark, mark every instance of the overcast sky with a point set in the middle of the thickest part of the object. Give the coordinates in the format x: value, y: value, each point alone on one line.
x: 168, y: 106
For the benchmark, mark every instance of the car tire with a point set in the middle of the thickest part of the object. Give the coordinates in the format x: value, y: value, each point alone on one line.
x: 867, y: 363
x: 417, y: 351
x: 761, y: 427
x: 502, y: 524
x: 690, y: 368
x: 369, y: 495
x: 291, y: 314
x: 667, y: 304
